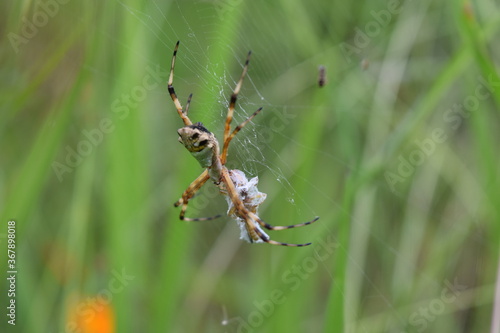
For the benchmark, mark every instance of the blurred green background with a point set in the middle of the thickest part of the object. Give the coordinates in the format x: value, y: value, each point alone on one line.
x: 397, y: 154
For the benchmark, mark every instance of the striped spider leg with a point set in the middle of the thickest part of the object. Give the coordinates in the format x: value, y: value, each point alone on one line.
x: 242, y: 194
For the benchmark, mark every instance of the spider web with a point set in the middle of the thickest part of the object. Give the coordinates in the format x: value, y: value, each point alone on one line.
x: 252, y: 150
x: 197, y: 26
x: 258, y: 149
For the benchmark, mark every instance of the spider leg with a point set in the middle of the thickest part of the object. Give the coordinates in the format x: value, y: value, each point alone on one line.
x: 279, y: 227
x: 272, y: 242
x: 248, y: 217
x: 231, y: 136
x: 234, y: 96
x: 178, y: 106
x: 189, y: 193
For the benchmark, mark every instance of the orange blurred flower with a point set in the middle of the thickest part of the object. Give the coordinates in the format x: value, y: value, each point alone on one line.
x: 92, y: 316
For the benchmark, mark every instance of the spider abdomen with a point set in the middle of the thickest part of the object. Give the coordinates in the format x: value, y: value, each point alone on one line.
x: 200, y: 142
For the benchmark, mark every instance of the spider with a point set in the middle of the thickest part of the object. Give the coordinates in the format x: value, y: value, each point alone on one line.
x: 242, y: 194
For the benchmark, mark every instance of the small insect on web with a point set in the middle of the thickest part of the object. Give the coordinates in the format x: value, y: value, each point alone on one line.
x: 242, y: 195
x: 321, y: 76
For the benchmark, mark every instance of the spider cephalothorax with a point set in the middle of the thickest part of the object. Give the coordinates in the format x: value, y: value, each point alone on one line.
x: 242, y: 194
